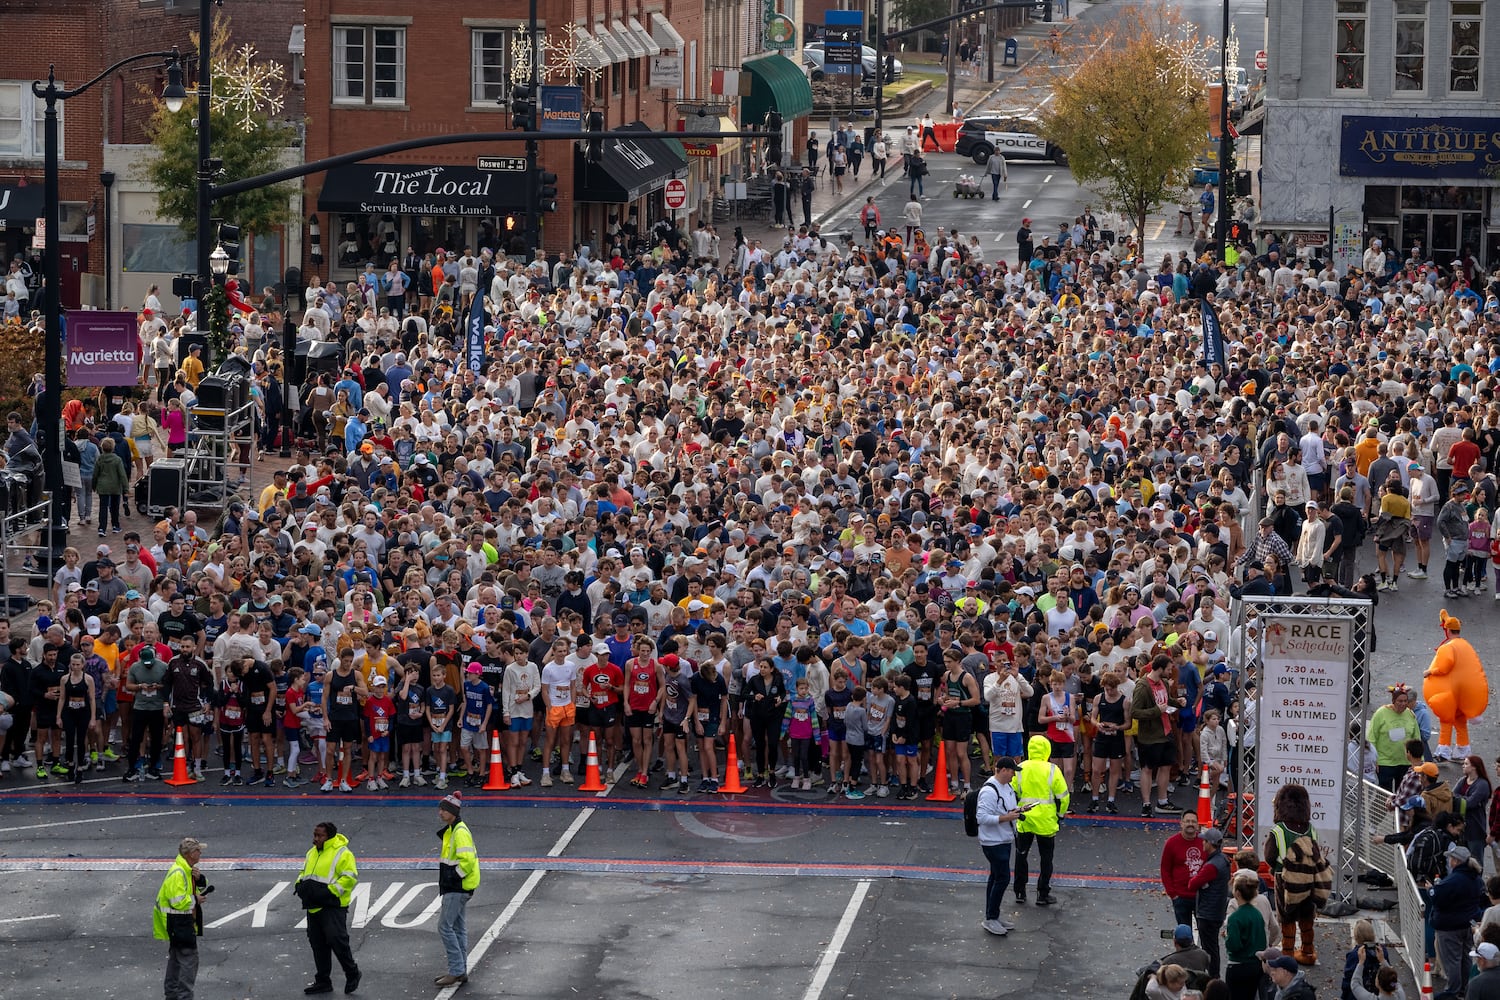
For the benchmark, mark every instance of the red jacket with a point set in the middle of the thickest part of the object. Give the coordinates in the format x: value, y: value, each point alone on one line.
x: 1180, y: 860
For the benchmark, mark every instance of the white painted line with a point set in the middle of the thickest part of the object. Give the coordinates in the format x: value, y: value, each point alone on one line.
x: 84, y: 822
x: 836, y: 943
x: 999, y: 238
x: 1025, y: 205
x: 1160, y: 226
x: 1046, y: 179
x: 492, y: 934
x: 22, y: 920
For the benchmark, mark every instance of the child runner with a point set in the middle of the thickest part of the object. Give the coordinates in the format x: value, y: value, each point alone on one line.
x: 1060, y: 715
x: 879, y: 706
x: 316, y: 723
x: 707, y: 693
x: 905, y: 730
x: 441, y: 704
x: 604, y: 682
x: 854, y: 738
x: 411, y: 716
x: 517, y: 689
x: 835, y: 701
x: 231, y: 701
x: 291, y: 722
x: 474, y: 727
x: 380, y: 712
x: 1478, y: 551
x: 643, y: 694
x: 672, y: 714
x: 802, y: 727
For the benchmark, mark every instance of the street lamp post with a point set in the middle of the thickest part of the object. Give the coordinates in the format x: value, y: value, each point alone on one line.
x: 1221, y: 224
x: 49, y: 410
x: 206, y: 168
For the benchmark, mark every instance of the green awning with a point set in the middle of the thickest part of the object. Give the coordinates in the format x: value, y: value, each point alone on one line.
x: 776, y: 84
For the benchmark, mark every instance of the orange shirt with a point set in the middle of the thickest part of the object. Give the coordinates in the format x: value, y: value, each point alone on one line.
x: 1366, y: 450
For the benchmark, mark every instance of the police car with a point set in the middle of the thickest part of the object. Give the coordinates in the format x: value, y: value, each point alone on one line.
x: 1014, y: 135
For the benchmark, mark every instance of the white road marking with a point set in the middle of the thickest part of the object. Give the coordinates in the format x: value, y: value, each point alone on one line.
x: 836, y: 943
x: 1161, y: 225
x: 1026, y: 204
x: 999, y: 238
x: 84, y: 822
x: 22, y: 920
x: 1046, y: 179
x: 492, y: 934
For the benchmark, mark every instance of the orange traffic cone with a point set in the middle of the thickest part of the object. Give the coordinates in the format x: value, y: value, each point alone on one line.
x: 940, y: 791
x: 591, y: 779
x: 1425, y: 986
x: 496, y: 782
x: 1205, y: 801
x: 732, y: 784
x: 180, y: 774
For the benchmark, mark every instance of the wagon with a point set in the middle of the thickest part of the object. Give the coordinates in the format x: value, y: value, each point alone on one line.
x: 967, y: 187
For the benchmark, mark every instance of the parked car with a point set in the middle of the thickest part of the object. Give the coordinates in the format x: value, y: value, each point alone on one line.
x: 1014, y: 134
x: 813, y: 56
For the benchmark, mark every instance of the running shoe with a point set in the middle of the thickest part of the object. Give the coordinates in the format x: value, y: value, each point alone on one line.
x: 405, y: 780
x: 238, y: 780
x: 682, y: 786
x: 383, y: 783
x: 153, y: 773
x: 110, y: 755
x: 257, y: 776
x: 270, y: 781
x: 373, y: 786
x: 536, y: 753
x: 418, y: 780
x: 226, y: 779
x: 327, y: 786
x: 441, y: 782
x: 567, y: 776
x: 345, y: 787
x: 291, y: 781
x: 99, y: 766
x: 131, y: 776
x: 854, y: 793
x: 1168, y: 808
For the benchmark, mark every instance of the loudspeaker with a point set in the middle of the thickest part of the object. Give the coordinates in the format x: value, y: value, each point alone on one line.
x: 166, y: 486
x: 324, y: 356
x: 236, y: 364
x: 219, y: 395
x: 185, y: 341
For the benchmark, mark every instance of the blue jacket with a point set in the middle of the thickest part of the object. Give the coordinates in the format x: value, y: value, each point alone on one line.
x: 1456, y: 899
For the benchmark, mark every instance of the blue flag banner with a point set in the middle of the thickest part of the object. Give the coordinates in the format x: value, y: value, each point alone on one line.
x: 1213, y: 335
x: 474, y: 348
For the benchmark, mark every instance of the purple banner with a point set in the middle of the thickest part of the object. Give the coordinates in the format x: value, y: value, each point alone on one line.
x: 103, y: 348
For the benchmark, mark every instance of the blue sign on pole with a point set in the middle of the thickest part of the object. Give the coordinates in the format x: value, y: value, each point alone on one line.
x: 843, y: 41
x: 562, y: 109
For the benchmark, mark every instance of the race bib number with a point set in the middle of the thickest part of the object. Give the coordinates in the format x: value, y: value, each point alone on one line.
x: 471, y: 720
x: 800, y: 716
x: 76, y: 703
x: 641, y: 687
x: 346, y: 697
x: 1398, y: 734
x: 231, y: 715
x: 413, y: 711
x: 382, y: 725
x: 925, y: 694
x: 258, y: 699
x: 703, y: 715
x: 838, y: 713
x: 601, y: 699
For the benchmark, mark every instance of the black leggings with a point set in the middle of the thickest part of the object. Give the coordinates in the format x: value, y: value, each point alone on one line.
x: 144, y: 723
x: 15, y: 740
x: 109, y: 506
x: 856, y: 762
x: 1453, y: 573
x: 1474, y: 570
x: 75, y: 728
x: 234, y: 748
x: 767, y: 734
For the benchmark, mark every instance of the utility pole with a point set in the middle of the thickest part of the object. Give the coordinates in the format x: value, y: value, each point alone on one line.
x: 1221, y: 225
x: 880, y: 62
x: 952, y: 53
x: 206, y: 168
x: 533, y: 209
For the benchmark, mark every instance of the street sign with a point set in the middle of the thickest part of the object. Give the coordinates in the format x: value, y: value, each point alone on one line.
x: 666, y: 71
x: 674, y: 196
x: 843, y: 41
x: 562, y: 109
x: 39, y: 237
x: 1260, y: 59
x: 504, y: 164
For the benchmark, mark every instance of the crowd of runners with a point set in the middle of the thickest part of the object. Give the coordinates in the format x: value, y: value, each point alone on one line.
x: 865, y: 507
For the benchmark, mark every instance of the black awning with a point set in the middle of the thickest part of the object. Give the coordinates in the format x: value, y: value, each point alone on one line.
x: 632, y: 167
x: 412, y: 189
x: 1253, y: 122
x: 21, y: 206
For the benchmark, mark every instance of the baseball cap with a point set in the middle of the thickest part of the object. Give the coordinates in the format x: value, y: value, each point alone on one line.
x: 379, y: 681
x: 1211, y: 835
x: 1283, y: 963
x: 1182, y: 933
x: 93, y: 625
x: 312, y: 630
x: 473, y: 668
x: 1458, y: 853
x: 1486, y: 951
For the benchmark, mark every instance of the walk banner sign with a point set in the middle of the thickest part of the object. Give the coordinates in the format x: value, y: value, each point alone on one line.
x: 1304, y: 714
x: 1213, y: 335
x: 474, y: 345
x: 103, y: 348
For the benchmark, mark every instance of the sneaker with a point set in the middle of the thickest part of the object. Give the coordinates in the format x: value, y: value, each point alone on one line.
x: 995, y: 927
x: 280, y: 768
x: 1006, y: 924
x: 327, y: 786
x: 363, y: 775
x: 1093, y: 805
x: 1394, y: 587
x: 99, y: 766
x: 373, y: 786
x: 153, y: 774
x: 713, y: 786
x: 760, y: 781
x: 257, y: 776
x: 1383, y: 585
x: 854, y: 793
x: 270, y: 781
x: 682, y: 786
x: 546, y: 779
x: 536, y: 753
x: 226, y: 779
x: 520, y: 780
x: 110, y: 755
x: 60, y: 769
x: 1418, y: 574
x: 441, y: 782
x: 345, y: 787
x: 405, y: 780
x: 291, y: 781
x: 567, y: 776
x: 383, y: 783
x: 131, y: 775
x: 1111, y: 808
x: 883, y: 791
x: 1169, y: 808
x: 418, y: 780
x: 1045, y: 899
x: 1145, y: 809
x: 238, y: 780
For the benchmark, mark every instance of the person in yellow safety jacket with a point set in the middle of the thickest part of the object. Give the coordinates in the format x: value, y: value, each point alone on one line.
x: 324, y: 885
x: 175, y: 920
x: 458, y: 877
x: 1043, y: 795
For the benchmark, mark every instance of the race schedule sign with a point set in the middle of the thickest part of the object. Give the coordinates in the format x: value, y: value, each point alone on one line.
x: 1304, y: 714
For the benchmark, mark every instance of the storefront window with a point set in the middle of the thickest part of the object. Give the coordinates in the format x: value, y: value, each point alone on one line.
x: 1380, y: 200
x: 1441, y: 196
x: 265, y: 264
x: 1411, y: 46
x: 155, y: 249
x: 1349, y: 45
x: 426, y: 233
x: 364, y: 238
x: 1464, y: 47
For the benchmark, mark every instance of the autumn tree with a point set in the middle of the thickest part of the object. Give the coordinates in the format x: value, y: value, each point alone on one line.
x: 1133, y: 114
x: 243, y: 137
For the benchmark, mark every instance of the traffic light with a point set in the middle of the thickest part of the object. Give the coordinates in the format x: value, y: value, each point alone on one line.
x: 546, y: 191
x: 229, y: 239
x: 523, y: 108
x: 595, y: 153
x: 773, y: 137
x: 1238, y: 232
x: 510, y: 223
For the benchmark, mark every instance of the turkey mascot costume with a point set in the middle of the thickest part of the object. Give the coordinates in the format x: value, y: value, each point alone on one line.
x: 1455, y: 689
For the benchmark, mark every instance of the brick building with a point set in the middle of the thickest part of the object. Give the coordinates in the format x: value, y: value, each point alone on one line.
x: 103, y: 132
x: 376, y: 74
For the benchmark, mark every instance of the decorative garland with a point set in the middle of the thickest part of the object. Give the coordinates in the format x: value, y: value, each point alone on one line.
x: 216, y: 312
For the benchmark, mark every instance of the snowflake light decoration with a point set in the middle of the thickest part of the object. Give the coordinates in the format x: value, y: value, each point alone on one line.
x: 520, y: 60
x: 1232, y: 49
x: 250, y: 88
x: 572, y: 55
x: 1184, y: 62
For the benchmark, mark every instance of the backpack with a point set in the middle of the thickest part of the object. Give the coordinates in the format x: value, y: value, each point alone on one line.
x: 1306, y: 872
x: 971, y: 808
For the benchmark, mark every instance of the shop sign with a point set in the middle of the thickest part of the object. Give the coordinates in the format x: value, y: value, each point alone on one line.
x: 1420, y: 148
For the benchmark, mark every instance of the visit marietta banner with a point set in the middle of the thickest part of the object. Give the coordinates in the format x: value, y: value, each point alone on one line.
x: 103, y: 348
